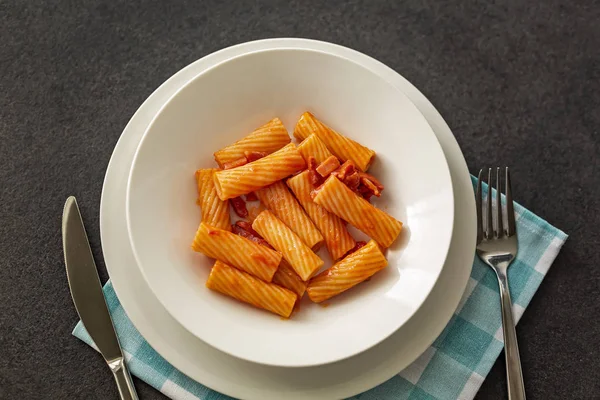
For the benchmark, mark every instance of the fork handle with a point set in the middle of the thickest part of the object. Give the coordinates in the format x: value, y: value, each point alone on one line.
x: 516, y: 388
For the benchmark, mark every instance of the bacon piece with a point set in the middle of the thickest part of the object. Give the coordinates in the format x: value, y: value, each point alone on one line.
x: 347, y: 168
x: 352, y: 181
x: 248, y: 227
x: 358, y: 245
x: 244, y: 229
x: 315, y: 191
x: 239, y: 206
x: 251, y: 197
x: 360, y: 182
x: 235, y: 163
x: 329, y: 165
x: 365, y: 192
x: 315, y: 178
x: 312, y: 163
x: 374, y: 180
x: 370, y: 186
x: 254, y: 155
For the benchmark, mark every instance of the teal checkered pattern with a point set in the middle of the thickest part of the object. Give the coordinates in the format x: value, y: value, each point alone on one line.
x: 454, y: 367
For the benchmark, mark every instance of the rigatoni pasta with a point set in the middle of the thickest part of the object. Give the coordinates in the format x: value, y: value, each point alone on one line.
x: 301, y: 197
x: 278, y: 199
x: 341, y: 146
x: 267, y: 139
x: 244, y: 287
x: 237, y: 251
x: 288, y: 278
x: 215, y: 212
x: 260, y: 173
x: 313, y: 146
x: 301, y: 258
x: 347, y: 273
x: 337, y: 238
x: 338, y: 199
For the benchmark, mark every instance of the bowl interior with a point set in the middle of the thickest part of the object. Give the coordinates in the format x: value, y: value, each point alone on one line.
x: 227, y: 102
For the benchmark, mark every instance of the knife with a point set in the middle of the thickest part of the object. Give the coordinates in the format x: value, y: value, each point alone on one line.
x: 86, y: 291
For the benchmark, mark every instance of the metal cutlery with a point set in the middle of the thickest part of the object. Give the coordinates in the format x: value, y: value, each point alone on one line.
x: 86, y: 291
x: 498, y: 248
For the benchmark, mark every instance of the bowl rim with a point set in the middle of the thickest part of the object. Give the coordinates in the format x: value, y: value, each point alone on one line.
x: 417, y: 113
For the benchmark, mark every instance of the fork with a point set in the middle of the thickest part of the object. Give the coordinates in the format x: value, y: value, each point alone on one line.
x: 498, y: 248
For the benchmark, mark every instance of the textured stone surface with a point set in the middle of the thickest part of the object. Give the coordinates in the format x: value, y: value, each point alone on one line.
x: 518, y: 82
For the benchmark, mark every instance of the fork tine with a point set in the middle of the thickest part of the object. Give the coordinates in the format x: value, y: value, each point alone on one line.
x: 499, y: 227
x: 478, y: 204
x: 490, y: 223
x: 510, y: 212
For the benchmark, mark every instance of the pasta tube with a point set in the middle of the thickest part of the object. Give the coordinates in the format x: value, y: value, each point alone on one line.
x: 337, y: 238
x: 278, y: 199
x: 215, y: 212
x: 268, y: 138
x: 347, y: 273
x: 289, y: 279
x: 313, y: 146
x: 341, y: 146
x: 301, y: 258
x: 260, y: 173
x: 338, y: 199
x: 237, y: 251
x: 244, y: 287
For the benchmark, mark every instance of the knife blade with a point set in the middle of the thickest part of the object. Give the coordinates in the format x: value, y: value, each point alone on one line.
x: 86, y: 291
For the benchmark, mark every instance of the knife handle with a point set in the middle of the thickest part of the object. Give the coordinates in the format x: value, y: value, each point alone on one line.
x: 123, y: 378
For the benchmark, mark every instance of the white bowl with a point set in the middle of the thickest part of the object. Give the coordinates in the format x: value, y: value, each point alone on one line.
x: 225, y: 103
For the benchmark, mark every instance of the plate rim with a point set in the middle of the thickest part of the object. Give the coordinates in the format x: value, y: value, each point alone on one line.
x: 378, y: 373
x: 318, y: 358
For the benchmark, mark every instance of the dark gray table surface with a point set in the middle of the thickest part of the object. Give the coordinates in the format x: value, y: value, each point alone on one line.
x: 517, y: 81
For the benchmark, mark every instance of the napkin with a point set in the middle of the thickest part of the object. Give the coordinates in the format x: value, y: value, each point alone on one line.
x: 455, y: 365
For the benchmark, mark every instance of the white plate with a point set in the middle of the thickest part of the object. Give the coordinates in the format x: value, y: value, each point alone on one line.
x: 246, y: 380
x: 218, y: 107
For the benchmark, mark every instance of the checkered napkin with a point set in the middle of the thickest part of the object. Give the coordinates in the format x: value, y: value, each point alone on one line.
x: 454, y: 367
